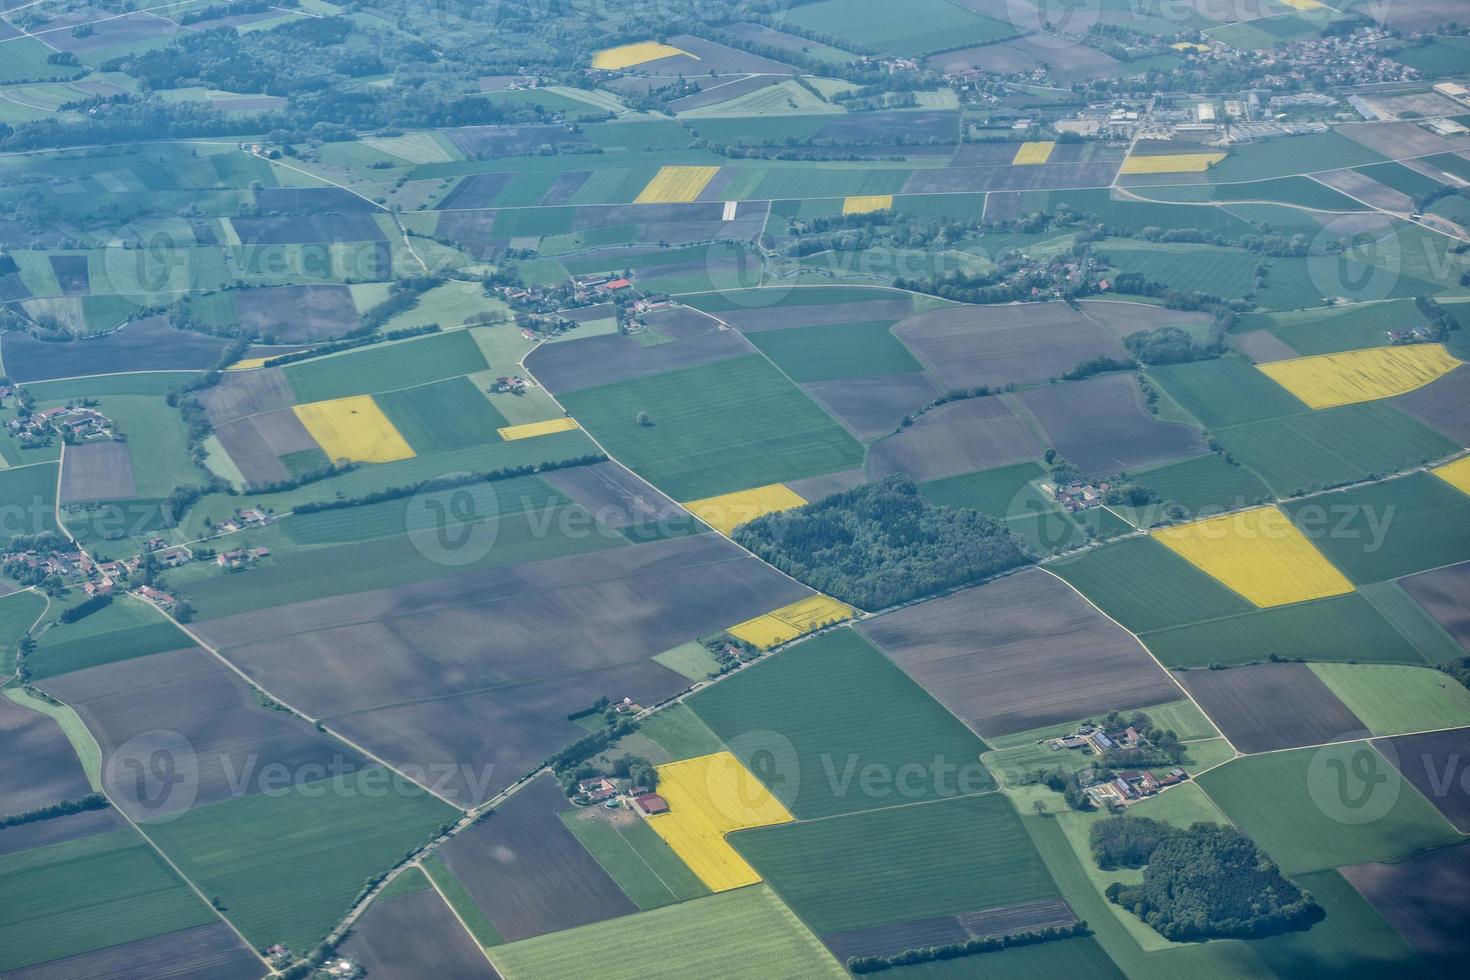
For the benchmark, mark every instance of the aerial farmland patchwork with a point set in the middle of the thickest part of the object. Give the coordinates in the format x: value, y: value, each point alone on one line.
x: 750, y: 490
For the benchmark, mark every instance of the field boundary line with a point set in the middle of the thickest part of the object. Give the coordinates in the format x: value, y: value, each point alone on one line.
x: 418, y: 863
x: 1183, y: 690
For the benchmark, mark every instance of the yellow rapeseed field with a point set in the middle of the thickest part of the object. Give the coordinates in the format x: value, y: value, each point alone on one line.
x: 727, y: 511
x: 353, y: 428
x: 1189, y: 46
x: 529, y: 430
x: 1304, y: 4
x: 1456, y: 474
x: 863, y: 203
x: 674, y: 185
x: 1171, y: 163
x: 248, y: 364
x: 1328, y: 380
x: 628, y: 55
x: 708, y: 798
x: 1258, y: 553
x: 789, y: 622
x: 1033, y: 153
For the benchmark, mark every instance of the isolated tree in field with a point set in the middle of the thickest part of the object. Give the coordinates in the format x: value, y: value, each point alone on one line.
x: 644, y: 419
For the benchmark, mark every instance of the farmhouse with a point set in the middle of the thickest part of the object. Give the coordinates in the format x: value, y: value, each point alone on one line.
x: 597, y: 790
x: 161, y: 599
x: 1077, y: 496
x: 651, y: 804
x: 240, y: 558
x: 513, y: 384
x: 71, y: 423
x: 174, y: 557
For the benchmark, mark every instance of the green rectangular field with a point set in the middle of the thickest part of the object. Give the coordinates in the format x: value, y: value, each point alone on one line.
x: 1387, y: 530
x: 1206, y: 482
x: 901, y: 863
x: 1145, y: 586
x: 1225, y: 391
x: 746, y: 934
x: 1333, y: 446
x: 472, y: 504
x: 912, y: 29
x: 847, y: 350
x: 458, y: 897
x: 1315, y: 809
x: 1007, y: 492
x: 28, y: 498
x: 1340, y: 628
x: 680, y: 732
x: 1329, y: 331
x: 86, y: 894
x: 18, y: 612
x: 715, y: 429
x: 1290, y: 155
x: 442, y: 415
x: 1395, y: 700
x: 124, y: 629
x: 386, y: 367
x: 287, y: 866
x: 1401, y: 179
x: 636, y: 857
x: 816, y: 742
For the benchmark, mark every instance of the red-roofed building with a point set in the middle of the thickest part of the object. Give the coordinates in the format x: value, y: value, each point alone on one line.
x: 652, y: 804
x: 618, y: 284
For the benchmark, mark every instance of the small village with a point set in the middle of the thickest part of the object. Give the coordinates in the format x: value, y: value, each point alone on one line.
x: 73, y: 423
x: 1077, y: 496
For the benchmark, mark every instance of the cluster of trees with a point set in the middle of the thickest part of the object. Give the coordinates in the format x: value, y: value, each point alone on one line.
x: 1170, y: 345
x: 1207, y: 882
x: 92, y: 801
x: 1160, y: 747
x: 990, y: 944
x: 882, y: 543
x: 446, y: 483
x: 85, y: 608
x: 349, y: 343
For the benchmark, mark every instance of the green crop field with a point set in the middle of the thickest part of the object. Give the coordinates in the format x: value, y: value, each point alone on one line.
x: 1205, y: 482
x: 831, y: 736
x: 1329, y: 331
x: 913, y: 29
x: 637, y: 858
x: 1007, y: 492
x: 1340, y: 628
x: 746, y: 934
x: 1318, y: 808
x: 28, y: 496
x: 288, y: 865
x: 1145, y: 586
x: 717, y: 428
x: 1223, y: 272
x: 849, y: 350
x: 124, y: 629
x: 1388, y: 530
x: 1333, y: 446
x: 1401, y: 179
x: 1409, y: 618
x: 17, y: 613
x: 1081, y: 957
x: 386, y: 367
x: 1436, y: 56
x: 87, y: 894
x: 1225, y: 391
x: 1394, y: 700
x: 902, y: 863
x: 443, y: 415
x: 1309, y: 153
x: 680, y: 732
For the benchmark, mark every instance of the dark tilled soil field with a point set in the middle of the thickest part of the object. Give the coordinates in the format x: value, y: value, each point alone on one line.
x: 476, y: 191
x: 143, y: 345
x: 618, y: 498
x: 471, y: 746
x: 1435, y: 763
x: 510, y: 625
x: 1442, y: 594
x: 1120, y: 319
x: 713, y: 57
x: 1102, y: 426
x: 191, y: 693
x: 1261, y: 707
x: 255, y: 460
x: 988, y: 345
x: 975, y: 434
x: 296, y: 313
x: 39, y: 767
x: 871, y: 407
x: 1412, y: 895
x: 891, y: 127
x: 408, y: 937
x: 97, y: 471
x: 1020, y: 652
x: 1443, y: 405
x: 527, y: 872
x: 715, y: 92
x: 241, y: 393
x: 71, y: 273
x: 488, y: 142
x: 311, y: 200
x: 211, y: 950
x: 58, y: 830
x: 783, y: 317
x: 310, y: 228
x: 563, y: 187
x: 597, y: 361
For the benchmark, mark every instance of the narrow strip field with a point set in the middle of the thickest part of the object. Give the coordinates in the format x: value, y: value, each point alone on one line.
x: 789, y: 622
